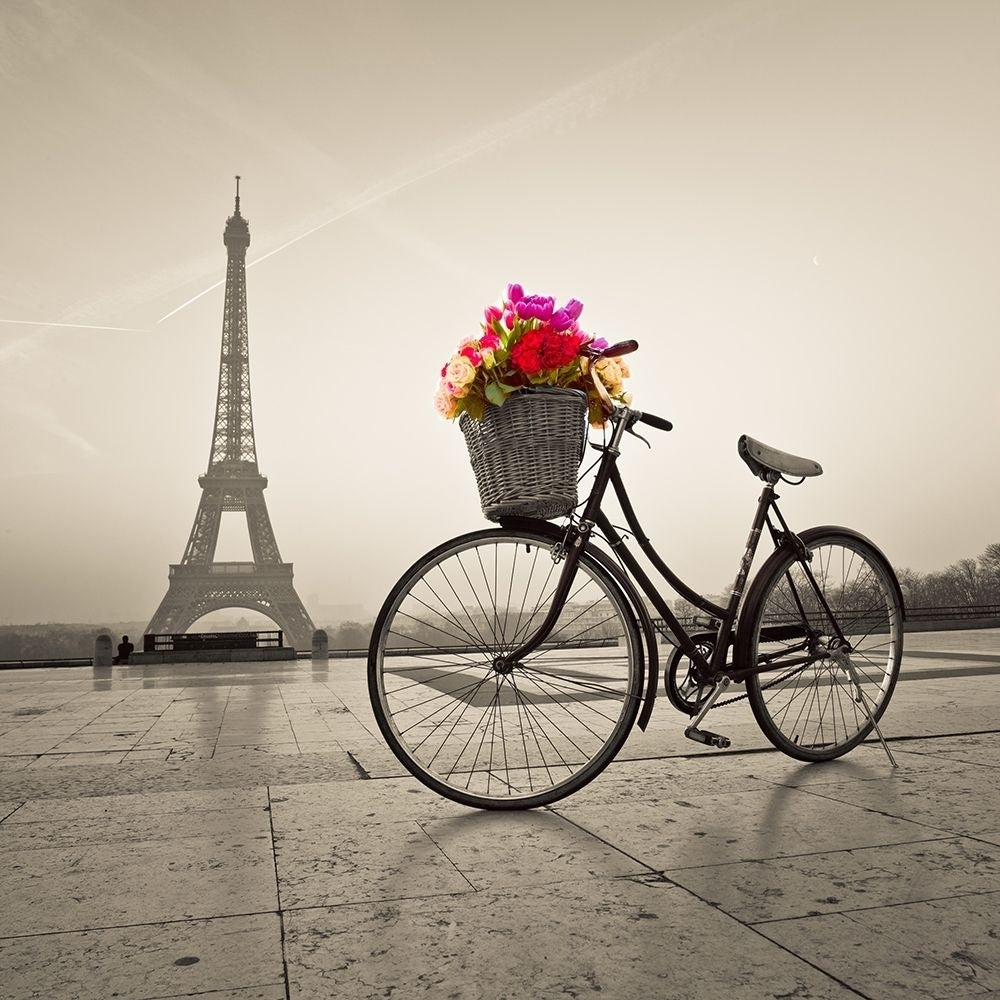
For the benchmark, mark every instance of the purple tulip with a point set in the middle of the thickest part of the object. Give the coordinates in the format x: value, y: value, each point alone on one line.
x: 535, y: 307
x: 514, y: 294
x: 574, y: 307
x: 561, y: 320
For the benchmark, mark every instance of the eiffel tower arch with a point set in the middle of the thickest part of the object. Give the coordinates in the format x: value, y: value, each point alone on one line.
x: 198, y: 584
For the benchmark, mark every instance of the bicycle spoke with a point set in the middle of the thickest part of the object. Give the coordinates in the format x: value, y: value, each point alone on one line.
x: 534, y: 677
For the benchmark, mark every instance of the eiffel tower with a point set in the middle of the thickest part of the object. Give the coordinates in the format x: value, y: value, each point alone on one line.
x: 199, y: 584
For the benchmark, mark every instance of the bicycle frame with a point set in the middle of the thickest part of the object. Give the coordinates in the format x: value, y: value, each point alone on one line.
x: 723, y: 619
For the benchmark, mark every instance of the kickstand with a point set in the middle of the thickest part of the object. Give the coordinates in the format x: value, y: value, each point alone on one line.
x: 862, y: 700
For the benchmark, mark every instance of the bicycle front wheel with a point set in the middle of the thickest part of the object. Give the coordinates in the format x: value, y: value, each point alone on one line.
x: 842, y: 610
x: 480, y: 731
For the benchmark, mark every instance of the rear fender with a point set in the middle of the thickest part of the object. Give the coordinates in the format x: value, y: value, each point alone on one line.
x: 808, y: 537
x: 812, y: 533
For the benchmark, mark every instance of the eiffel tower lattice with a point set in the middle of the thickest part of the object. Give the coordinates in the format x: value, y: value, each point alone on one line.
x: 199, y: 584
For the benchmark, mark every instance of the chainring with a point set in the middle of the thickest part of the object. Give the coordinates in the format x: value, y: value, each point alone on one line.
x: 682, y: 688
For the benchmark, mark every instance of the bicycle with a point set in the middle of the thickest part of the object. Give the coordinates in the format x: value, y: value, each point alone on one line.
x: 508, y: 665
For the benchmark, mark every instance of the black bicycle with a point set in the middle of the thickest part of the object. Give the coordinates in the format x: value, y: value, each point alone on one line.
x: 508, y: 665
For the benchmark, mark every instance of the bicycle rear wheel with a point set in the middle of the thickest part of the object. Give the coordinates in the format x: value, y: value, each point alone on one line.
x: 475, y: 729
x: 823, y: 709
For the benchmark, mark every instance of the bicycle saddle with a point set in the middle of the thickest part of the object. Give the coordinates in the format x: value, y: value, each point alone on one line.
x: 763, y: 459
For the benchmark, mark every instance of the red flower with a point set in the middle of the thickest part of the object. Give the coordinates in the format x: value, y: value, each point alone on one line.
x: 543, y: 349
x: 559, y: 349
x: 526, y: 355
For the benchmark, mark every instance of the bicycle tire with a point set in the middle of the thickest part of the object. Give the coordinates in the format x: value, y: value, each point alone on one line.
x: 815, y: 712
x: 537, y: 731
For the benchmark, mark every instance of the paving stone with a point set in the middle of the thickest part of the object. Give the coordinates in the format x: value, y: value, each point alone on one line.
x: 617, y: 938
x: 7, y: 809
x: 88, y: 886
x: 627, y: 781
x: 92, y: 757
x: 865, y: 763
x: 940, y: 949
x: 262, y: 769
x: 325, y: 864
x: 103, y: 807
x: 372, y: 801
x: 959, y: 799
x: 497, y: 850
x: 982, y: 749
x: 846, y: 880
x: 16, y: 763
x: 228, y: 958
x: 738, y: 826
x: 132, y: 827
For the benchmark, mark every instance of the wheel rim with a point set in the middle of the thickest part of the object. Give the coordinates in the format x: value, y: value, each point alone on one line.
x: 824, y: 708
x: 476, y: 727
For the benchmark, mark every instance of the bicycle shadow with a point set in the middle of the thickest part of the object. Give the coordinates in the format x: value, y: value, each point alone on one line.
x: 786, y: 805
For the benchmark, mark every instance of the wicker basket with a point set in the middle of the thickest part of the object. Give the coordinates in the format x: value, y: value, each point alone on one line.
x: 526, y: 454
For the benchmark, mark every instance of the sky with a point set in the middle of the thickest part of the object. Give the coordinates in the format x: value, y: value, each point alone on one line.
x: 790, y: 204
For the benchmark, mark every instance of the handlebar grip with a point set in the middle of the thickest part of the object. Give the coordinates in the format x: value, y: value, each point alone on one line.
x: 622, y: 347
x: 660, y: 423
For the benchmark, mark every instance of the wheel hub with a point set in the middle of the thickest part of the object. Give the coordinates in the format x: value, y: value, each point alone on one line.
x: 502, y: 666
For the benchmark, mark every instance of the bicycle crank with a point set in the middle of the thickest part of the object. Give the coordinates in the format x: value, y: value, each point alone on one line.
x: 703, y: 735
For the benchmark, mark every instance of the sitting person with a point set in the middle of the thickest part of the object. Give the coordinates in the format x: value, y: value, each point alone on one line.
x: 124, y: 650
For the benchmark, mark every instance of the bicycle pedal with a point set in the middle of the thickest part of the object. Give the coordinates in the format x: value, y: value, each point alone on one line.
x: 709, y: 739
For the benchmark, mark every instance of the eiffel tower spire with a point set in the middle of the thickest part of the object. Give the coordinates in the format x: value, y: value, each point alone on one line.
x: 233, y: 445
x: 198, y: 584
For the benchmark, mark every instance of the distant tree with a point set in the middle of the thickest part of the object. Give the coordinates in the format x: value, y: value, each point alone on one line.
x: 989, y: 568
x: 968, y: 582
x: 350, y: 635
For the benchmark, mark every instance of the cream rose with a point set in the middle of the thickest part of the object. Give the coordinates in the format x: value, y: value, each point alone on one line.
x: 610, y: 374
x: 460, y: 372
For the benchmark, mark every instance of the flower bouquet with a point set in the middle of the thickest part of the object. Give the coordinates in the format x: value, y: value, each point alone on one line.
x: 524, y: 390
x: 525, y: 342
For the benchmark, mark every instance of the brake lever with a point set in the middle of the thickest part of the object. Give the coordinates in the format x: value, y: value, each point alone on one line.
x: 631, y: 430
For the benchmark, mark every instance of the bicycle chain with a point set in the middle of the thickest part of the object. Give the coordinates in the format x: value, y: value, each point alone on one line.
x: 764, y: 687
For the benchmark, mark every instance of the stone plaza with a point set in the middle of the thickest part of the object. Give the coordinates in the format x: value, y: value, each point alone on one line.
x: 241, y: 832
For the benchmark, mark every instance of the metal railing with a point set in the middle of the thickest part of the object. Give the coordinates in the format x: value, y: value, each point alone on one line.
x: 944, y: 618
x: 918, y: 619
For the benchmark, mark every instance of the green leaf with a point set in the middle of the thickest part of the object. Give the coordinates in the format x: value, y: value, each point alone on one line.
x: 475, y: 407
x: 495, y: 394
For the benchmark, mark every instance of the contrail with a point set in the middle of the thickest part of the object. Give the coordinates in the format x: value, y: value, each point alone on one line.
x: 565, y: 107
x: 382, y: 191
x: 74, y: 326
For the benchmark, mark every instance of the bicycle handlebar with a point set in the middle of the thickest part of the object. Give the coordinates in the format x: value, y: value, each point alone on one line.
x: 660, y: 423
x: 616, y: 351
x: 611, y: 351
x: 622, y: 347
